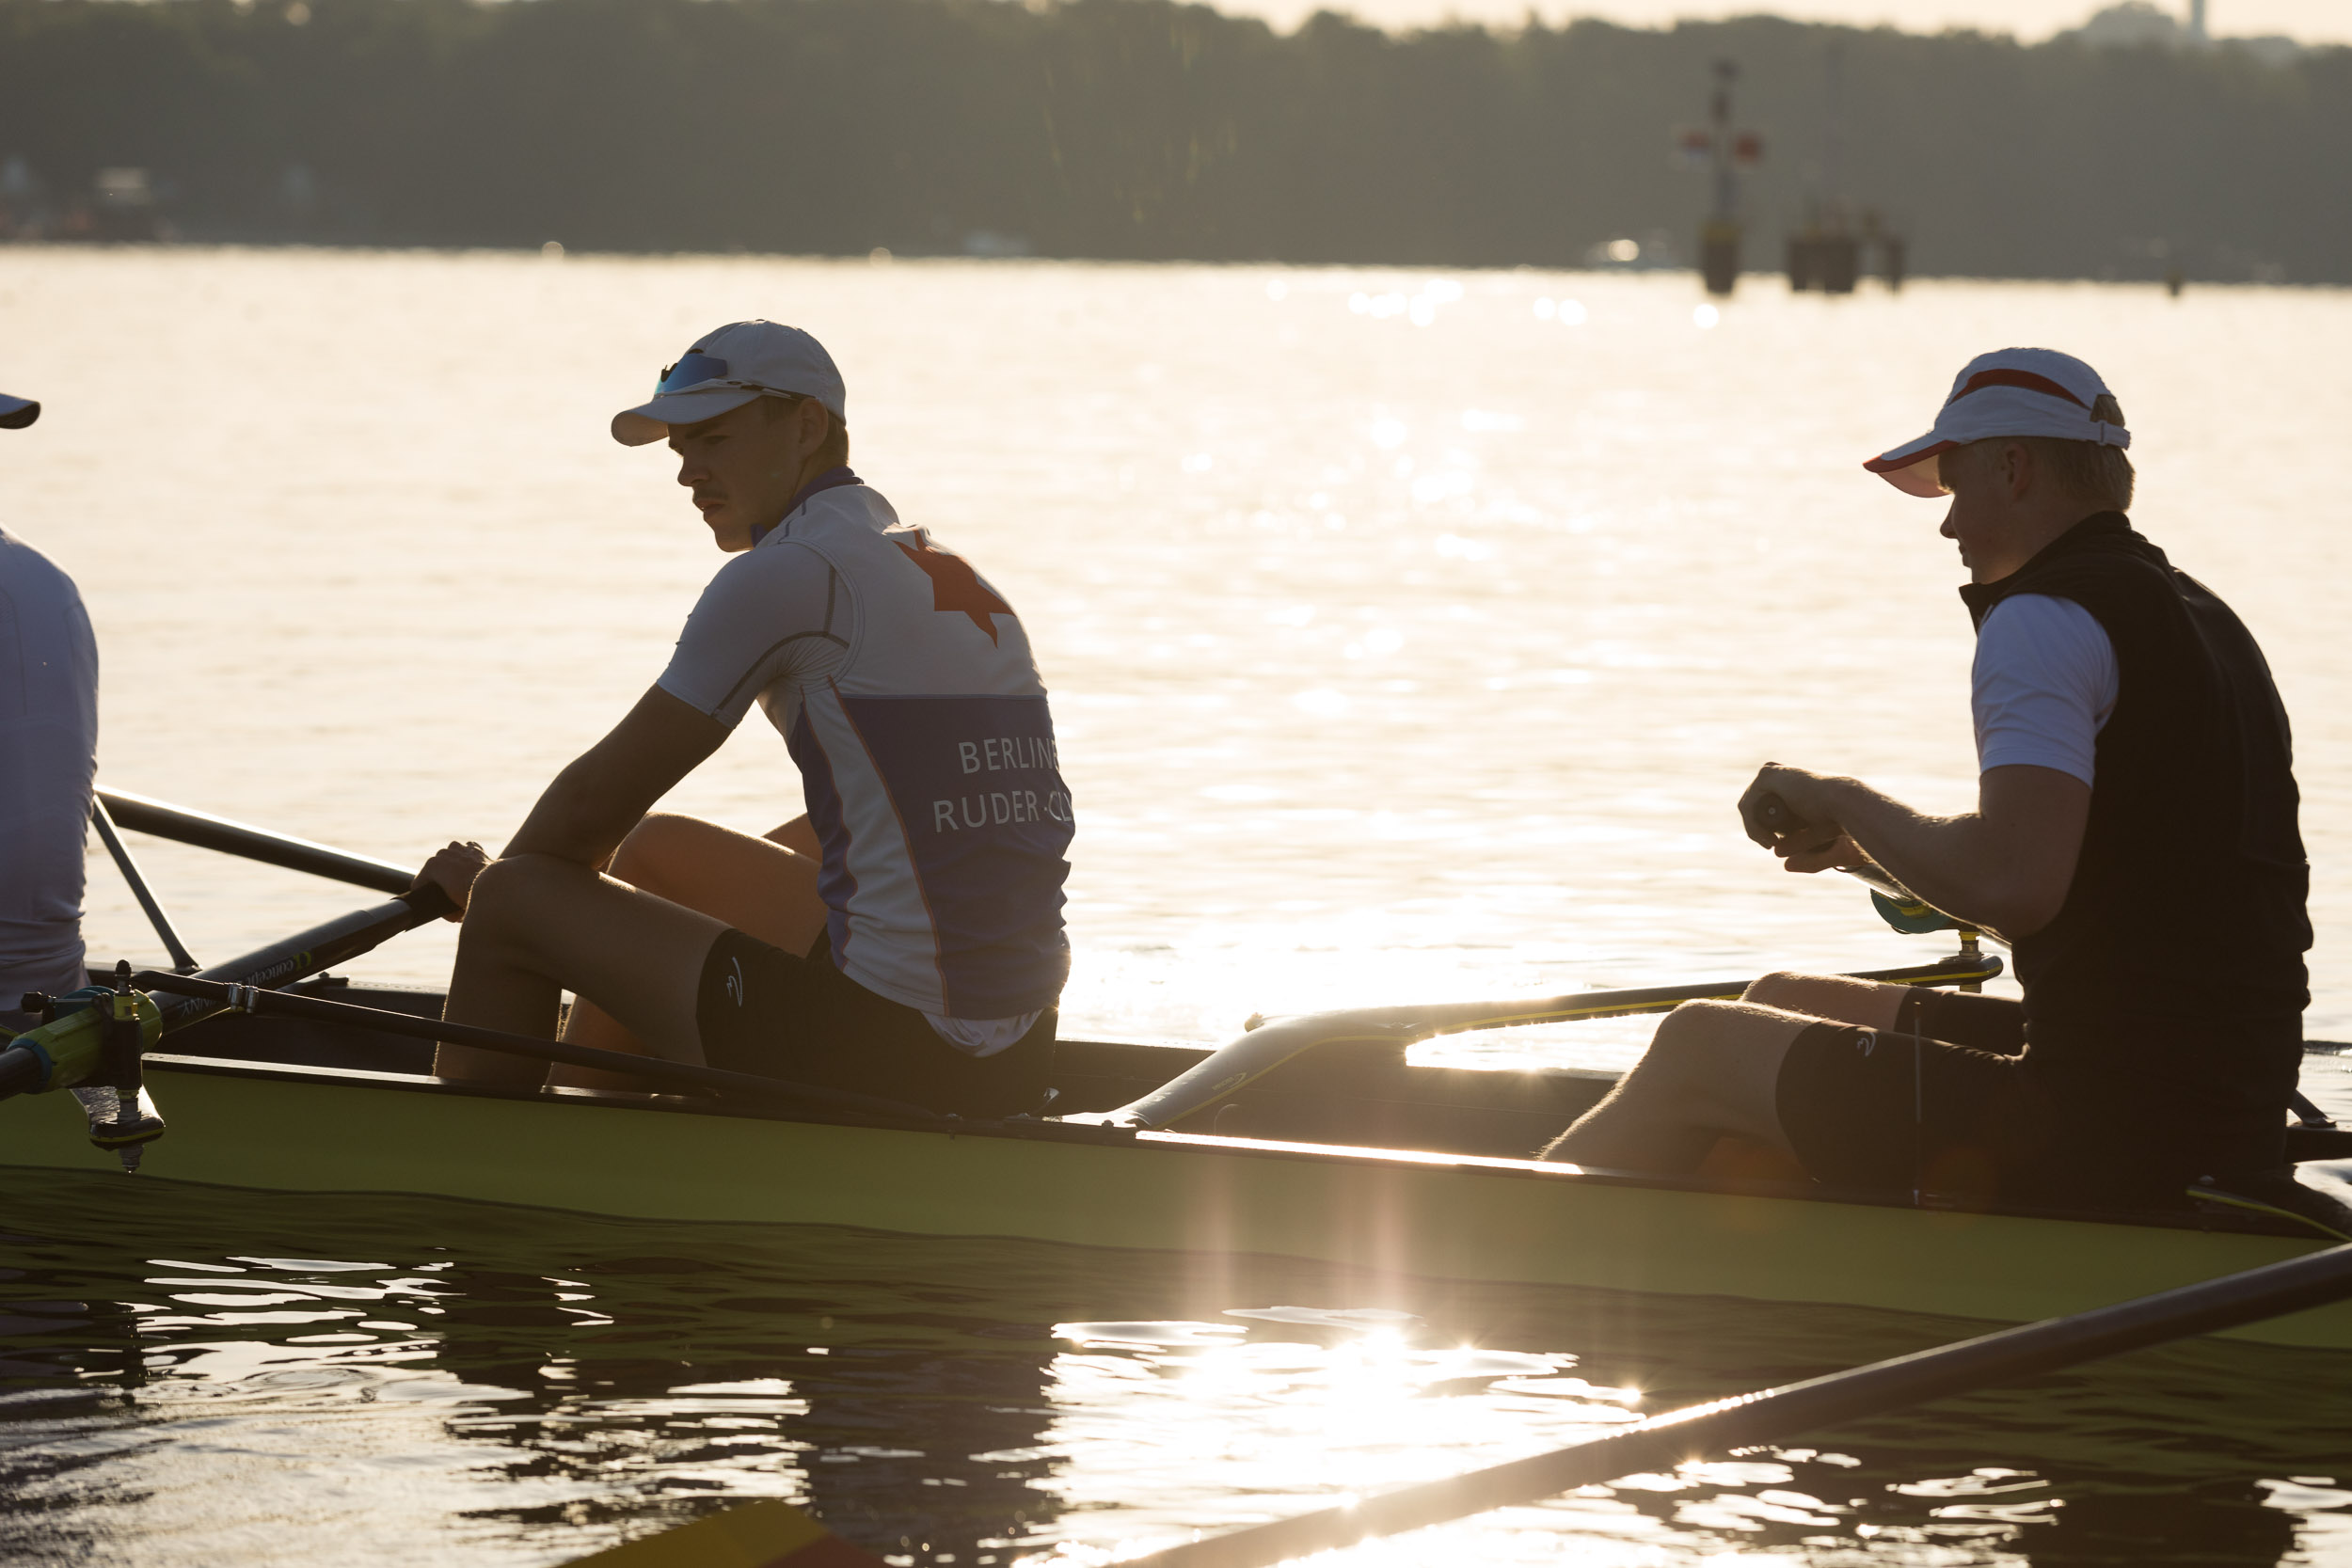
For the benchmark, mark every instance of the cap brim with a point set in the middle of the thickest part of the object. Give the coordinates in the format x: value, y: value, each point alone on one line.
x: 649, y: 422
x: 1914, y: 467
x: 16, y: 413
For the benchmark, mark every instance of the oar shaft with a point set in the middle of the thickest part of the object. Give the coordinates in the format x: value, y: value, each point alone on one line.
x: 653, y: 1069
x: 1665, y: 1441
x: 124, y: 862
x: 1578, y: 1006
x: 308, y: 952
x: 1270, y: 1042
x: 142, y: 815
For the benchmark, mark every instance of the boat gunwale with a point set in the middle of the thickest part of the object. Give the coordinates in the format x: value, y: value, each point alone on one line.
x: 1028, y: 1130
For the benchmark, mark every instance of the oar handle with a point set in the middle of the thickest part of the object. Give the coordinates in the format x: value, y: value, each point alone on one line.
x: 1767, y: 813
x: 1770, y: 813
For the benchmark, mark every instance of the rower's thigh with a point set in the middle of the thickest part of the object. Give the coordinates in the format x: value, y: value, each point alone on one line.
x: 638, y: 956
x: 1722, y: 1061
x: 761, y: 888
x: 1870, y: 1004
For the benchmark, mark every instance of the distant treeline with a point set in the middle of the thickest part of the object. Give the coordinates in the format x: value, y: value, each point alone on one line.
x: 1145, y: 128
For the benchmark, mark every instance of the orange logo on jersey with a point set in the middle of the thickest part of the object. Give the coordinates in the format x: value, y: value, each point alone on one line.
x: 956, y: 586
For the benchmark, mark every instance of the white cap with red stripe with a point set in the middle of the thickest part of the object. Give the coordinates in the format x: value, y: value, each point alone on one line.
x: 2010, y: 392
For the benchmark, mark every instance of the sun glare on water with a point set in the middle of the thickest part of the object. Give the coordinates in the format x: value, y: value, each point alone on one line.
x: 1275, y: 1410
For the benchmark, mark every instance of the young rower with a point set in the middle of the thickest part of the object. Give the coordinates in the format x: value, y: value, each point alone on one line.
x: 2135, y: 839
x: 48, y: 758
x: 901, y: 938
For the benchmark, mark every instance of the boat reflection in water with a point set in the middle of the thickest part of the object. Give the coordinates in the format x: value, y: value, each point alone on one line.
x: 550, y: 1384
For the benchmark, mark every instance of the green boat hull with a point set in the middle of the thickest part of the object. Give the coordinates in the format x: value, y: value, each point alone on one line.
x: 323, y: 1129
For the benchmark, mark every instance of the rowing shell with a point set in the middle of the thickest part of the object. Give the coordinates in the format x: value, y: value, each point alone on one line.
x: 1353, y: 1159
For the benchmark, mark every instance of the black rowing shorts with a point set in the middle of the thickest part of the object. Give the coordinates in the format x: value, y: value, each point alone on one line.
x: 761, y: 1009
x: 1943, y: 1101
x: 2124, y: 1115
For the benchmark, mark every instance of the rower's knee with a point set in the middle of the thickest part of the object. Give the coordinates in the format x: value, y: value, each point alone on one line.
x: 1690, y: 1037
x: 512, y: 896
x: 650, y: 856
x: 1782, y: 988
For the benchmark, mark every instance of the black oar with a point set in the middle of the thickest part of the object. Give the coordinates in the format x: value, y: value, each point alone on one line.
x: 71, y: 1052
x: 181, y: 959
x: 206, y: 832
x: 1665, y: 1441
x: 1269, y: 1043
x: 686, y: 1075
x: 307, y: 953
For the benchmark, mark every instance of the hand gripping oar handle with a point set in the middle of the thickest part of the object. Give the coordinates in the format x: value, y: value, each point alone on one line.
x: 1771, y: 813
x: 142, y: 815
x: 1665, y: 1441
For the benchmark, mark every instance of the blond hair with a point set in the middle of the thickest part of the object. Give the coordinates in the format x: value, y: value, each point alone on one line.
x: 2098, y: 473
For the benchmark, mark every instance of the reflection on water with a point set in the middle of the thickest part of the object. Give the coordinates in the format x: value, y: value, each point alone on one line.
x: 195, y: 1377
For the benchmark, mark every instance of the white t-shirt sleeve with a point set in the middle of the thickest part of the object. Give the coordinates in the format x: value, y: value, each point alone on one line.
x: 2044, y: 685
x: 777, y: 613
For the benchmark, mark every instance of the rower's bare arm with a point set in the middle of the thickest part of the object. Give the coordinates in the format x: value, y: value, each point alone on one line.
x: 583, y: 815
x: 2005, y: 866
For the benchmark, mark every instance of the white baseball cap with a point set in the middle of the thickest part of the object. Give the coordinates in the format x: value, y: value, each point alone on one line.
x: 16, y: 413
x: 727, y: 368
x: 2010, y: 392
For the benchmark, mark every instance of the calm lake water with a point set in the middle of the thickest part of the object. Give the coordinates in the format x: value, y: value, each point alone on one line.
x: 1410, y: 636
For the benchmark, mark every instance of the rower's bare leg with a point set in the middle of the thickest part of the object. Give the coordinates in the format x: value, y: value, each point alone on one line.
x: 537, y: 927
x: 800, y: 836
x: 764, y: 887
x: 1713, y: 1070
x: 1871, y: 1004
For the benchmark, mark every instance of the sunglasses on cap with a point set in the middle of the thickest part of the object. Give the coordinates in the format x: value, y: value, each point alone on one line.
x: 691, y: 370
x: 697, y: 370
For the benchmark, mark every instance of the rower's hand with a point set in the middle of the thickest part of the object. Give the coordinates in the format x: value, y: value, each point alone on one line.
x: 454, y: 870
x: 1842, y: 854
x: 1787, y: 810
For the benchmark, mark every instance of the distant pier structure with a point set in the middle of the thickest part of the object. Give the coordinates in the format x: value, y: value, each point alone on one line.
x: 1829, y: 249
x: 1721, y: 151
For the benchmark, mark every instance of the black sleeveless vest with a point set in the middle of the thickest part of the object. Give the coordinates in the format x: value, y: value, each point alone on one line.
x: 2187, y: 905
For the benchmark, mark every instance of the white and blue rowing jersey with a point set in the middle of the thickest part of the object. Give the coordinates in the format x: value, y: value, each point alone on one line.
x: 904, y: 687
x: 48, y: 753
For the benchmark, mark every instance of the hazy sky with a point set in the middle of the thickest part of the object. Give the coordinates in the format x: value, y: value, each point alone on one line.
x: 2313, y: 21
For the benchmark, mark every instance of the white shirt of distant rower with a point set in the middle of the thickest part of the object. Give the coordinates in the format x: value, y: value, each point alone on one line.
x: 2044, y: 685
x: 783, y: 625
x: 48, y: 751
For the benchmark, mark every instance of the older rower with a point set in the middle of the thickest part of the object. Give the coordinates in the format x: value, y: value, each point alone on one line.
x: 2135, y: 787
